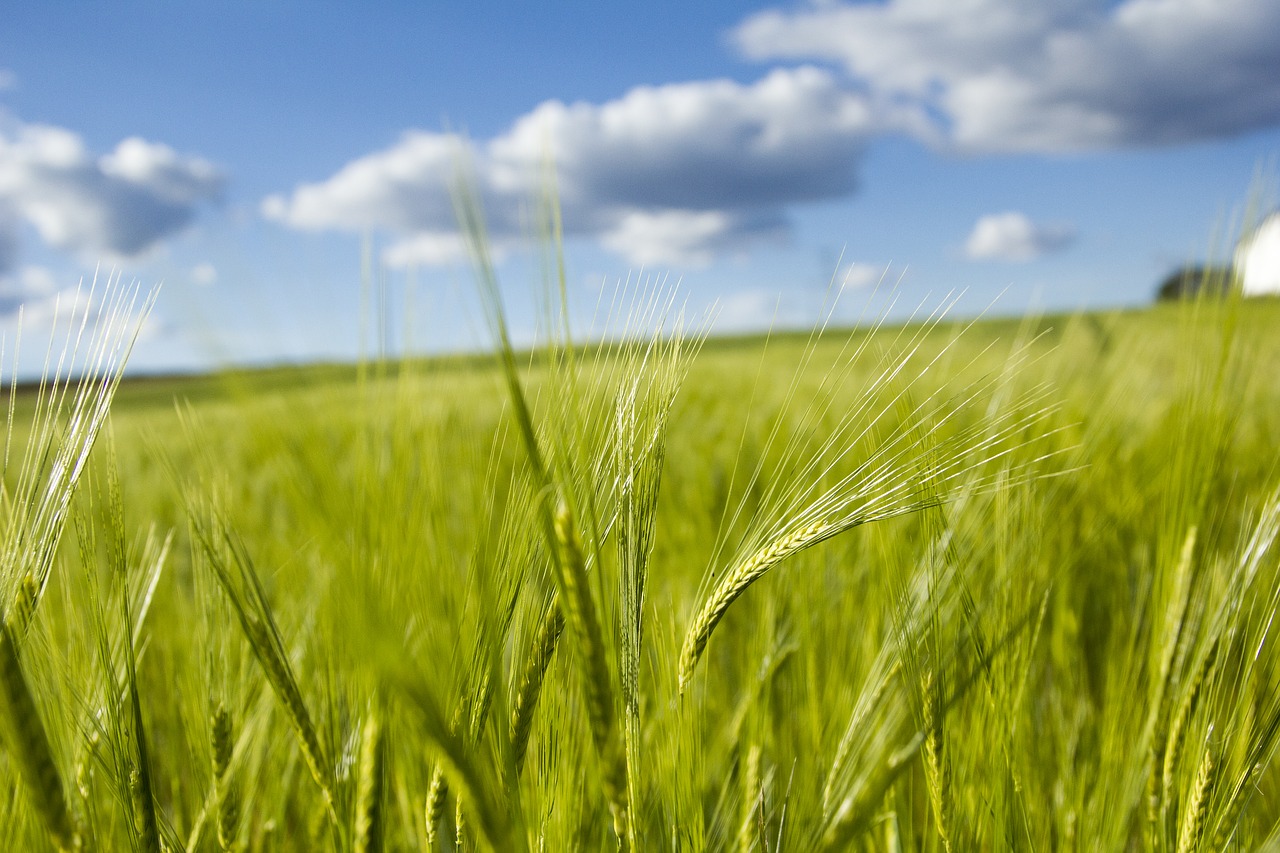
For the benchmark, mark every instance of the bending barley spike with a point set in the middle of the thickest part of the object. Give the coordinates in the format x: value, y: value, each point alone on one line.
x: 734, y: 585
x: 250, y: 606
x: 280, y: 675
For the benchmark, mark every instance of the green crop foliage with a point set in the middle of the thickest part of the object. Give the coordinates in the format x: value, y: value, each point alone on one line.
x: 1008, y: 584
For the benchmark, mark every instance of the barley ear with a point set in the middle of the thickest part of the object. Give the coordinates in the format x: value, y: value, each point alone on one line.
x: 734, y: 584
x: 140, y: 787
x: 1178, y: 728
x: 1229, y: 821
x: 535, y: 671
x: 29, y: 747
x: 936, y: 765
x: 752, y: 801
x: 24, y: 605
x: 584, y: 625
x: 222, y: 742
x: 459, y: 828
x: 491, y: 816
x: 370, y: 787
x: 239, y: 581
x: 437, y: 794
x: 857, y: 812
x: 1196, y: 815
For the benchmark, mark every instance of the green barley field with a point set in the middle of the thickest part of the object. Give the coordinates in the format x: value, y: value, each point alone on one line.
x: 933, y: 586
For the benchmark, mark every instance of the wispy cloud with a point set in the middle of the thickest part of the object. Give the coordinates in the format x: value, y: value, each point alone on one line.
x: 1060, y: 75
x: 1011, y: 236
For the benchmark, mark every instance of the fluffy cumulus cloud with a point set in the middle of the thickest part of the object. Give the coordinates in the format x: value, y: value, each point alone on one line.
x: 1012, y: 236
x: 1059, y: 75
x: 683, y: 173
x: 121, y: 203
x: 669, y: 174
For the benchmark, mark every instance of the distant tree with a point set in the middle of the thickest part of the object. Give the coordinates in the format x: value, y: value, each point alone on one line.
x: 1191, y: 281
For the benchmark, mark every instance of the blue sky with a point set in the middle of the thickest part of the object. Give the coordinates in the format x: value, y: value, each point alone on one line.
x: 1061, y: 154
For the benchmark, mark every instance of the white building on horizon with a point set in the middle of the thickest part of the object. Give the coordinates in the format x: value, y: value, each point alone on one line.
x: 1257, y: 260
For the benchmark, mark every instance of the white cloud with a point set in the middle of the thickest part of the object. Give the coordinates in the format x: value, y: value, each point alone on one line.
x: 1012, y: 236
x: 857, y: 276
x: 748, y: 310
x: 1007, y: 75
x: 429, y: 249
x: 122, y: 203
x: 8, y: 238
x: 204, y: 274
x: 689, y: 238
x: 405, y: 187
x: 33, y: 290
x: 672, y: 173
